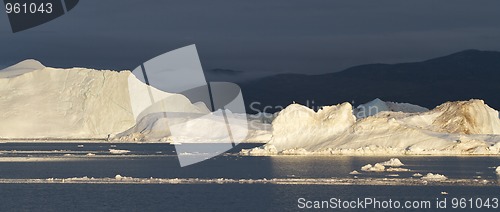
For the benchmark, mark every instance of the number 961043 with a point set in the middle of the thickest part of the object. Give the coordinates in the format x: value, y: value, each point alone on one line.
x: 28, y: 8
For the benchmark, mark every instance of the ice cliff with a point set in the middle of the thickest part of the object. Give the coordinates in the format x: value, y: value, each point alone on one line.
x: 43, y: 102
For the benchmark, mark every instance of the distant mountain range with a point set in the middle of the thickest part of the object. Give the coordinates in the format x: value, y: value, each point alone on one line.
x: 229, y: 75
x: 459, y: 76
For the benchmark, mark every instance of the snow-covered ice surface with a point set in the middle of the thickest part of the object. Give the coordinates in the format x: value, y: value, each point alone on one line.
x: 453, y: 128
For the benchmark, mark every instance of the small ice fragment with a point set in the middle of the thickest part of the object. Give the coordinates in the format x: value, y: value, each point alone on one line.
x: 354, y: 172
x: 118, y: 151
x: 394, y: 162
x: 376, y: 168
x: 434, y: 177
x: 392, y: 169
x: 417, y: 175
x: 90, y: 154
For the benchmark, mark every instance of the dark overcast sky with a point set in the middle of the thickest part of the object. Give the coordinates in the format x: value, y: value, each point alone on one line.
x: 307, y: 36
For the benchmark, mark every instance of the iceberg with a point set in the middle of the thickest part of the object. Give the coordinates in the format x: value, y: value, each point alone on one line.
x: 47, y: 103
x: 453, y: 128
x: 44, y: 102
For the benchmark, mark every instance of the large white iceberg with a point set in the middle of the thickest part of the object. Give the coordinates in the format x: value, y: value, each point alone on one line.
x: 465, y: 127
x: 40, y: 102
x: 44, y: 102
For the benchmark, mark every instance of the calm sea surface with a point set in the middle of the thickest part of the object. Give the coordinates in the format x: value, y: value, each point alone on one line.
x: 38, y: 177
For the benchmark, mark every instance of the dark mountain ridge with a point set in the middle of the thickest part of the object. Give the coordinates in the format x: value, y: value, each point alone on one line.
x: 459, y: 76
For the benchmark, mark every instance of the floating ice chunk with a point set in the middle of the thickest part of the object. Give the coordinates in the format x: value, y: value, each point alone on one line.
x: 392, y: 169
x: 354, y: 172
x: 380, y: 167
x: 90, y: 154
x: 394, y: 162
x: 122, y: 178
x: 497, y: 170
x: 118, y: 151
x: 434, y: 177
x: 376, y: 168
x: 417, y: 175
x: 84, y: 178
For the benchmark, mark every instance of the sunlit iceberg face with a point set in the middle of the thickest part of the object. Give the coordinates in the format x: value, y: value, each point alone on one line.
x: 212, y: 118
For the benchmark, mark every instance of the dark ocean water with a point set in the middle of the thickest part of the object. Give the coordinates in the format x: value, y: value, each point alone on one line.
x: 20, y: 163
